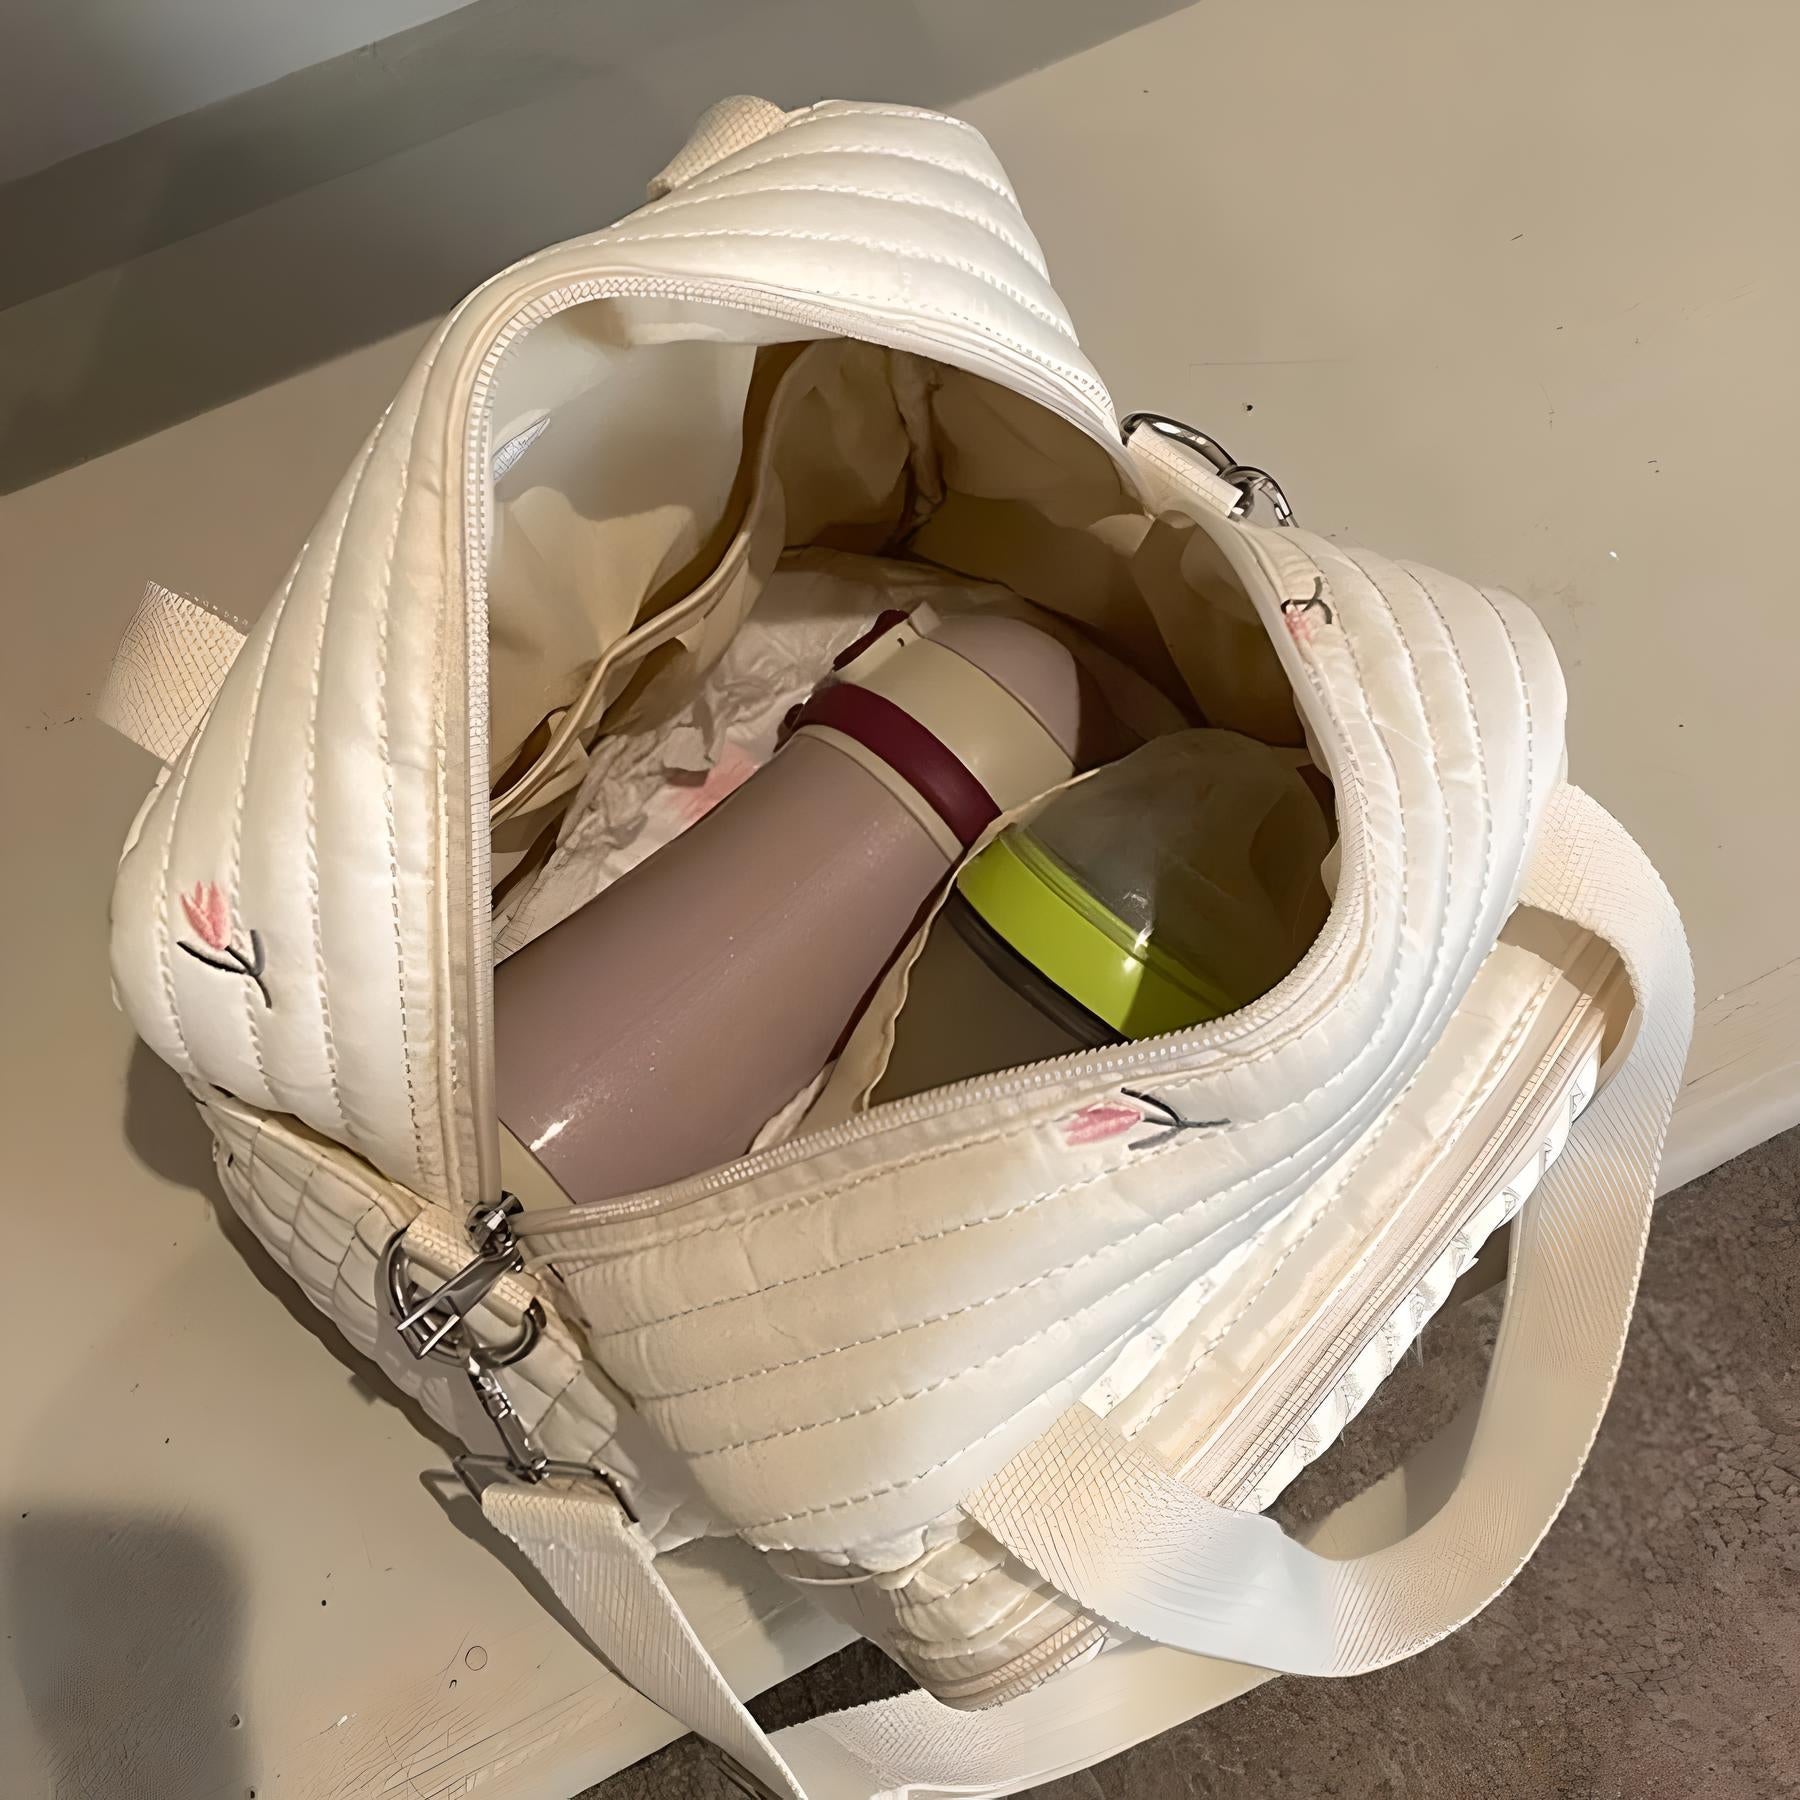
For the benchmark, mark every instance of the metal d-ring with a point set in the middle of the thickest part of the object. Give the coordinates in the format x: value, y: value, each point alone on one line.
x: 1251, y: 481
x: 1245, y: 477
x: 435, y: 1324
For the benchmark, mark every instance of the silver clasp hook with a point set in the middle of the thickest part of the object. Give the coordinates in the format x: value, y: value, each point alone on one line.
x: 436, y: 1325
x: 1245, y: 477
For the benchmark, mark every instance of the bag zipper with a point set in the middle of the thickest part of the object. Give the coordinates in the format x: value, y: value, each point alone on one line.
x: 1022, y: 374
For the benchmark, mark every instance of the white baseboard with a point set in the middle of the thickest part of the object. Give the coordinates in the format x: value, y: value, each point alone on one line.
x: 1743, y: 1075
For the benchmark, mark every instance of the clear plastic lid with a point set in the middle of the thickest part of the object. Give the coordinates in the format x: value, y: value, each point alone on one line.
x: 1168, y: 888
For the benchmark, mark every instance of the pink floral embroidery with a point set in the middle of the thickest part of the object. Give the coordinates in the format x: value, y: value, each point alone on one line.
x: 209, y: 912
x: 1300, y: 615
x: 1104, y: 1119
x: 1112, y: 1118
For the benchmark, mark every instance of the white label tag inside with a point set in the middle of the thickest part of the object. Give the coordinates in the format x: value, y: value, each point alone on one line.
x: 518, y: 441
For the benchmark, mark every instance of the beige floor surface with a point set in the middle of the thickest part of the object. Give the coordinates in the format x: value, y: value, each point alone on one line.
x: 1511, y: 289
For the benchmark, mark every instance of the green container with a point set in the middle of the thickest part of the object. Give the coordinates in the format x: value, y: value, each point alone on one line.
x: 1167, y: 889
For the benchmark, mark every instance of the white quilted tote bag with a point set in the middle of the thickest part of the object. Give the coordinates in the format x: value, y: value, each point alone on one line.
x: 1007, y: 1373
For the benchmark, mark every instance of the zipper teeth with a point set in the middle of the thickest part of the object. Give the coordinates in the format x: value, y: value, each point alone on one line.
x: 475, y: 663
x: 478, y: 502
x: 1144, y: 1054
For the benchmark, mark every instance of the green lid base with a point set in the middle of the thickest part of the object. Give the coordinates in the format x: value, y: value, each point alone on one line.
x: 1045, y: 916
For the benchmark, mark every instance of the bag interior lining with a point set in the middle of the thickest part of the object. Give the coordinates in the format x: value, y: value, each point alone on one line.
x: 681, y: 481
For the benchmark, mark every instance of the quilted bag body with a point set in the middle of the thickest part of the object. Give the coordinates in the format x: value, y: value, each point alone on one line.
x: 1005, y: 1374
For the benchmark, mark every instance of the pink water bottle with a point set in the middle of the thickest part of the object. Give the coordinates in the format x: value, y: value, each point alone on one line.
x: 653, y: 1033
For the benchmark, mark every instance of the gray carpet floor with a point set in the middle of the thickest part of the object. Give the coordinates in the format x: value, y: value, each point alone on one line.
x: 1650, y: 1651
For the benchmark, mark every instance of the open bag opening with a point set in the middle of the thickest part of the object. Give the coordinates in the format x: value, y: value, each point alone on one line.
x: 687, y: 530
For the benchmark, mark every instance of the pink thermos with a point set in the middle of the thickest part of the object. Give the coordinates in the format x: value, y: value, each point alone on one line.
x: 653, y: 1033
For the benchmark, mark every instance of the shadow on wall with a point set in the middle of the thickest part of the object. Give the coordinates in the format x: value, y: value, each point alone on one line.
x: 158, y: 277
x: 124, y: 1636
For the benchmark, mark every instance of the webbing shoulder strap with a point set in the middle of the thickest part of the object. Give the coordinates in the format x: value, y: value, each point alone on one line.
x: 167, y: 668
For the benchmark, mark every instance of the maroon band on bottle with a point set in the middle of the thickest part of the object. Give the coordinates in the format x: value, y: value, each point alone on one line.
x: 929, y: 765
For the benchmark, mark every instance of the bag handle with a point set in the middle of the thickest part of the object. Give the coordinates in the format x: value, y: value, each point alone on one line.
x: 1230, y: 1595
x: 167, y: 668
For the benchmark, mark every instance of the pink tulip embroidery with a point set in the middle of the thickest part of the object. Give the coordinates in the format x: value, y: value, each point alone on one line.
x: 1300, y: 614
x: 1113, y: 1118
x: 1104, y: 1119
x: 210, y: 915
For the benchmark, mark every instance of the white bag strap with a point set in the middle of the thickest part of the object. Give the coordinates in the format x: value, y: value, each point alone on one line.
x: 603, y: 1569
x: 1399, y: 1567
x: 725, y: 128
x: 167, y: 668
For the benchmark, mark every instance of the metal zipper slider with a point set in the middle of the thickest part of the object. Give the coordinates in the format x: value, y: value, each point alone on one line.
x: 429, y: 1324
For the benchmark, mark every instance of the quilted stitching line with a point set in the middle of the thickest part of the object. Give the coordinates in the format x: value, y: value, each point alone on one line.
x: 1434, y: 744
x: 863, y: 110
x: 797, y: 152
x: 165, y: 931
x: 252, y: 1151
x: 1064, y: 374
x: 387, y: 795
x: 892, y: 1487
x: 924, y: 1601
x: 957, y: 1312
x: 1372, y: 874
x: 234, y: 858
x: 1475, y: 735
x: 340, y: 1284
x: 1374, y: 1137
x: 687, y: 197
x: 1471, y: 1105
x: 1013, y: 1613
x: 1442, y: 934
x: 314, y: 1169
x: 903, y: 252
x: 260, y: 1125
x: 337, y: 1285
x: 1256, y: 1238
x: 1024, y: 1343
x: 301, y: 1190
x: 1512, y: 645
x: 351, y: 1128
